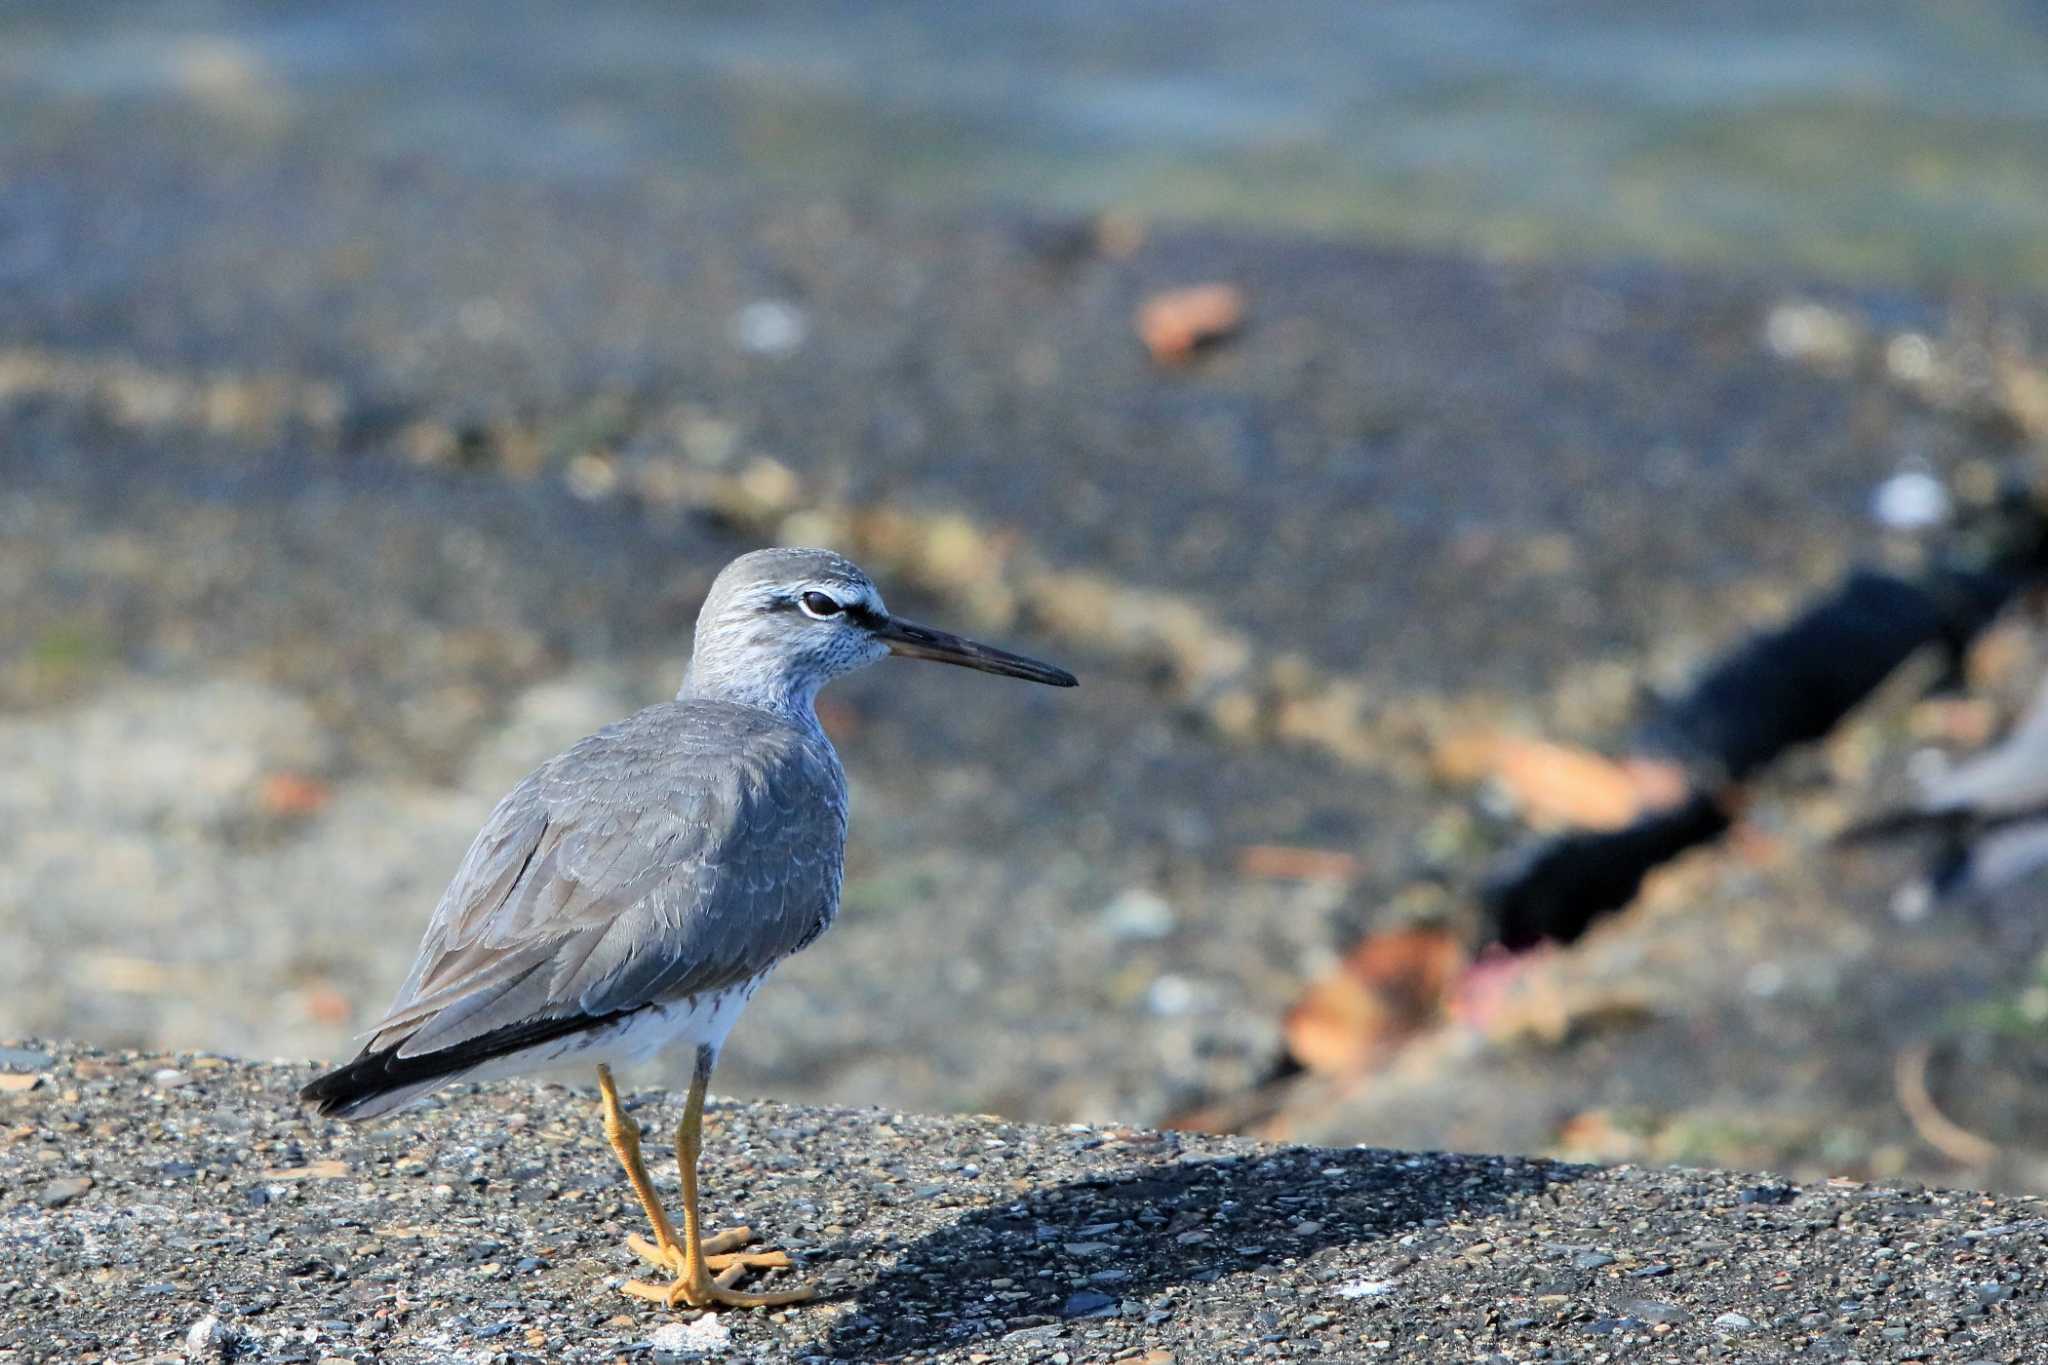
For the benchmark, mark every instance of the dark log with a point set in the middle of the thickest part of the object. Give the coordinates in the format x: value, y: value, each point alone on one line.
x: 1780, y: 688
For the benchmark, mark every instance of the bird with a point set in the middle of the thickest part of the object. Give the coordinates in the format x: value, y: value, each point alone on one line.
x: 631, y: 894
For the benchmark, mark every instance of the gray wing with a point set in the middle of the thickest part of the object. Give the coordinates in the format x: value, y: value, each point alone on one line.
x: 681, y: 851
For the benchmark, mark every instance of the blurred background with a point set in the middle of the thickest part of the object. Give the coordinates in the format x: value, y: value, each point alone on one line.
x: 1518, y: 481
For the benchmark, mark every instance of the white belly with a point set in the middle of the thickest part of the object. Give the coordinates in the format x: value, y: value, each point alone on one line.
x: 686, y: 1025
x: 702, y: 1022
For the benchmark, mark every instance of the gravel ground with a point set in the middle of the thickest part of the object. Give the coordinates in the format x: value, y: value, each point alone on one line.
x: 157, y: 1204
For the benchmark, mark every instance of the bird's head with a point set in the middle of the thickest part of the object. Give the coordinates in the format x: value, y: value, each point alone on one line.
x: 779, y: 624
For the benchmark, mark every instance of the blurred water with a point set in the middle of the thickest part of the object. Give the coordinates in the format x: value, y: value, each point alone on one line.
x: 1873, y: 138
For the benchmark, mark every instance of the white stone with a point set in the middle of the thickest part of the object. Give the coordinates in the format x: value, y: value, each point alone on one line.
x: 707, y: 1335
x: 1138, y: 915
x: 1812, y: 334
x: 770, y: 327
x: 1910, y: 500
x: 1171, y: 995
x: 211, y: 1339
x: 1365, y: 1289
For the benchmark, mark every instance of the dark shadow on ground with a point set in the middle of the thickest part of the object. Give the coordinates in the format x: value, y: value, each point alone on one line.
x: 1168, y: 1224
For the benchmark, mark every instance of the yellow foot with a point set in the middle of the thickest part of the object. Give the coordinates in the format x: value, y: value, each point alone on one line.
x: 720, y: 1253
x: 724, y: 1265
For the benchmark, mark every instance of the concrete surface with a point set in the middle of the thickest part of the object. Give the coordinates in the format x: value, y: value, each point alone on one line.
x: 153, y: 1205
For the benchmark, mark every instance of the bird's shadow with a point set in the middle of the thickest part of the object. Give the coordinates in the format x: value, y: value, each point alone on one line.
x: 1129, y: 1237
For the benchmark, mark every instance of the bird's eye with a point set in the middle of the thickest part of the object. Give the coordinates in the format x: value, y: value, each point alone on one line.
x: 819, y: 606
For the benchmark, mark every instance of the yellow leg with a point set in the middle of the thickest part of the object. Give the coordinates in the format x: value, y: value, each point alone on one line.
x: 624, y: 1135
x: 693, y: 1262
x: 666, y: 1250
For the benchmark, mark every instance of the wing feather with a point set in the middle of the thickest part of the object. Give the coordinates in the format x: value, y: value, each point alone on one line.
x: 681, y: 851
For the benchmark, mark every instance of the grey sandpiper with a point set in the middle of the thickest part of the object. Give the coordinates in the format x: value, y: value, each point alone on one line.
x: 632, y: 893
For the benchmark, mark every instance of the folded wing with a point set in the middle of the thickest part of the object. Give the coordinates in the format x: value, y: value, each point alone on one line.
x: 684, y: 850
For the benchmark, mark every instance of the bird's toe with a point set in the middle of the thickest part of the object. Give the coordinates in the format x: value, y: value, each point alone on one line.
x: 724, y: 1265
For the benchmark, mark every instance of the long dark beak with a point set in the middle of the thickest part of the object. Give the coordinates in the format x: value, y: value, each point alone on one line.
x: 922, y: 642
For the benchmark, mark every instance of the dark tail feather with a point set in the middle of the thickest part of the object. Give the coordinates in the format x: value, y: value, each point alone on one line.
x: 382, y: 1079
x: 378, y: 1082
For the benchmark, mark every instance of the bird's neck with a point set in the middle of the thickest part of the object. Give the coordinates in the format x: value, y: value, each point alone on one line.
x: 792, y: 699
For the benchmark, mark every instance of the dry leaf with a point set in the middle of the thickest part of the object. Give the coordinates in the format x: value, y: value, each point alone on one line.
x: 1390, y: 986
x: 1559, y: 784
x: 293, y: 794
x: 1555, y: 784
x: 1338, y: 1026
x: 1176, y: 322
x: 325, y: 1004
x: 1285, y: 862
x: 1463, y: 757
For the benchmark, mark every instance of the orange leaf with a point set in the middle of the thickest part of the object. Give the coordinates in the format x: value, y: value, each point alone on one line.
x: 1389, y: 987
x: 1560, y: 784
x: 1176, y: 322
x: 1336, y: 1027
x: 325, y: 1004
x: 1288, y: 863
x: 294, y: 794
